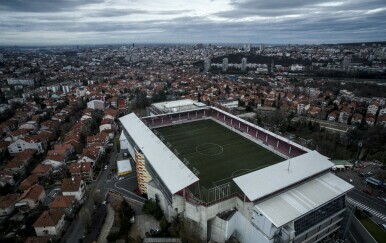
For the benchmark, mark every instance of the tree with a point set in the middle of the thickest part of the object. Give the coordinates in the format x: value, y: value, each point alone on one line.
x: 97, y: 196
x: 185, y: 229
x: 227, y: 89
x: 159, y: 97
x: 125, y: 214
x: 85, y: 218
x: 152, y: 207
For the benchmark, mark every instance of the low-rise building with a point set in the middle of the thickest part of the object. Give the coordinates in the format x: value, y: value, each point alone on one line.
x: 7, y: 204
x: 49, y: 223
x: 22, y: 144
x: 74, y: 187
x: 32, y: 197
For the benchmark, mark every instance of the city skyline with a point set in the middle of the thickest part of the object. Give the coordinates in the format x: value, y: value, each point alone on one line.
x: 45, y: 22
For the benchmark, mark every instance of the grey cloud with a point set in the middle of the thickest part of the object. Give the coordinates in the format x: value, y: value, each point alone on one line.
x: 43, y: 5
x: 114, y: 12
x: 327, y: 25
x: 274, y: 8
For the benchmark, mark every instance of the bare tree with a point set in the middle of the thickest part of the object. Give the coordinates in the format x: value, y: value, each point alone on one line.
x: 85, y: 218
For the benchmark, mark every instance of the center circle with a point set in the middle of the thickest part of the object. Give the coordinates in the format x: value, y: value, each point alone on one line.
x: 209, y: 149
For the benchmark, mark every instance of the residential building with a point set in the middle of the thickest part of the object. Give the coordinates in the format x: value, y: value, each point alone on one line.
x: 49, y: 223
x: 96, y: 105
x: 74, y: 187
x: 7, y: 204
x: 65, y: 204
x: 31, y: 197
x: 22, y: 144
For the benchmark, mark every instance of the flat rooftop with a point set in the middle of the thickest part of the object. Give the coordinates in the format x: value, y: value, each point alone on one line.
x: 178, y: 105
x: 302, y: 199
x: 264, y: 182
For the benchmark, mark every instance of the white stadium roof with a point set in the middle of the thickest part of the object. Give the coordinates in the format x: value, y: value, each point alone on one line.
x: 173, y: 173
x: 300, y: 200
x: 273, y: 178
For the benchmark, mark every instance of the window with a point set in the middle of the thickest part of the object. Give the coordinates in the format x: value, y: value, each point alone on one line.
x: 319, y: 214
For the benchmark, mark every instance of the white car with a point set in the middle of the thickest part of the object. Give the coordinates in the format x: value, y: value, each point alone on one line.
x: 105, y: 167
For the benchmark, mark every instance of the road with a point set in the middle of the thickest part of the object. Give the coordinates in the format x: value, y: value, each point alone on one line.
x: 376, y: 207
x: 125, y: 187
x: 340, y: 127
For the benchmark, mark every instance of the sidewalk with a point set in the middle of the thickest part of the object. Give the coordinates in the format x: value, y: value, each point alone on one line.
x: 107, y: 225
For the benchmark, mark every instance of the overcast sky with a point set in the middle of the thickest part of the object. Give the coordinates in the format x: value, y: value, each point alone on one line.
x: 42, y: 22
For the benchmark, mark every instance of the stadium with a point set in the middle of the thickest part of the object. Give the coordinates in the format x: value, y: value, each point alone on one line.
x: 233, y: 178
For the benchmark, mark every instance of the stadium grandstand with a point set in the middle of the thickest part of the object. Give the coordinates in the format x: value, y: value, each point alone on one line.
x: 233, y: 178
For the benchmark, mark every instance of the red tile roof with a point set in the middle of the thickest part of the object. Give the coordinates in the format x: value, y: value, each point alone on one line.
x: 33, y: 193
x: 28, y: 182
x: 8, y: 200
x: 71, y: 184
x: 48, y: 218
x: 41, y: 169
x: 62, y: 202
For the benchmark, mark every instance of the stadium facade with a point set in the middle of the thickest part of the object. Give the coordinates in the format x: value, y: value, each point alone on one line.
x: 297, y: 200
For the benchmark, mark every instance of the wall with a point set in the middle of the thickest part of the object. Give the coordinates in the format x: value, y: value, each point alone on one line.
x: 40, y: 231
x: 360, y: 231
x: 263, y: 224
x: 244, y: 231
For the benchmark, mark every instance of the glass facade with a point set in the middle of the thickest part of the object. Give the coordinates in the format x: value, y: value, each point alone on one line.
x: 320, y: 214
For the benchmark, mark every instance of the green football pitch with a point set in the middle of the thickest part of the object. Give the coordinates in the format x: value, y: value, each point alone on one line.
x: 216, y: 152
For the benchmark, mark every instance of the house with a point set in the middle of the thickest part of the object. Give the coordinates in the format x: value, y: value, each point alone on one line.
x: 302, y: 108
x: 83, y: 169
x: 17, y: 134
x: 382, y: 120
x: 370, y: 119
x: 91, y: 154
x: 96, y: 105
x: 382, y: 111
x: 372, y: 109
x: 110, y: 114
x: 100, y: 139
x: 31, y: 126
x: 63, y: 149
x: 22, y: 144
x: 74, y: 187
x: 74, y: 140
x: 54, y: 160
x: 356, y: 119
x: 314, y: 111
x: 49, y: 223
x: 29, y: 182
x: 20, y: 161
x: 42, y: 170
x: 333, y: 116
x: 39, y: 239
x: 32, y: 197
x: 7, y: 204
x: 106, y: 125
x: 65, y: 204
x: 6, y: 178
x: 51, y: 125
x: 344, y: 115
x: 7, y: 126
